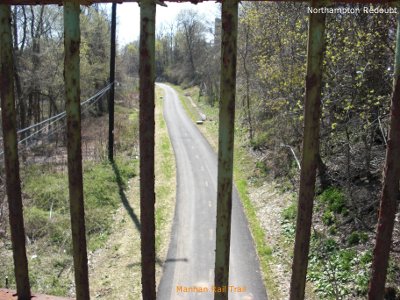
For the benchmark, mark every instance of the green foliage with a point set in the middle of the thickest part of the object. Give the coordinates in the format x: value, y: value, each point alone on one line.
x: 49, y: 213
x: 48, y: 190
x: 36, y: 221
x: 288, y: 222
x: 328, y: 217
x: 334, y: 199
x: 290, y: 212
x: 47, y: 219
x: 262, y: 167
x: 338, y: 273
x: 357, y: 237
x: 260, y: 140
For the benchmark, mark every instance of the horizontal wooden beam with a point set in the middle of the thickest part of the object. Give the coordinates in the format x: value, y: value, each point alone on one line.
x: 89, y: 2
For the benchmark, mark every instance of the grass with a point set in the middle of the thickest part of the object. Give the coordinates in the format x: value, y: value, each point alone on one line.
x: 242, y: 165
x: 165, y: 182
x: 47, y: 221
x: 119, y: 277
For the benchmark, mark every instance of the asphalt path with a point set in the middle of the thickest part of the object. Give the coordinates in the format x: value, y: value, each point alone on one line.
x: 189, y: 269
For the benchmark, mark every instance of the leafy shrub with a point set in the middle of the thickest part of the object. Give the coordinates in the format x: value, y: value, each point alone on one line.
x: 328, y: 218
x: 338, y: 273
x: 290, y: 212
x: 357, y: 237
x: 259, y: 140
x: 262, y: 167
x: 334, y: 199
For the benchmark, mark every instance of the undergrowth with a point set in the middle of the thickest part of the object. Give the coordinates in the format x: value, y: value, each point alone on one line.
x: 47, y: 220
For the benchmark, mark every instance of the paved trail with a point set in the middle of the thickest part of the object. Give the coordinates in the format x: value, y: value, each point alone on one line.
x: 190, y: 260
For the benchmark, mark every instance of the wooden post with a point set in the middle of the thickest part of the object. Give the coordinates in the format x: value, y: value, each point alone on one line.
x: 312, y: 114
x: 75, y: 178
x: 390, y: 189
x: 11, y: 162
x: 226, y: 144
x: 112, y: 87
x: 146, y: 132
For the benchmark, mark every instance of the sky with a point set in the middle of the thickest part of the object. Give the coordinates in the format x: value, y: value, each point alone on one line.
x: 128, y: 17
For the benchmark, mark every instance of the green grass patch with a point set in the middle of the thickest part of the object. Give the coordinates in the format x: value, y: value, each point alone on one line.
x: 165, y: 180
x: 47, y: 219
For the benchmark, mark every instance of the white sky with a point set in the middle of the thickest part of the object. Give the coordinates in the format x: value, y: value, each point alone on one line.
x: 128, y: 27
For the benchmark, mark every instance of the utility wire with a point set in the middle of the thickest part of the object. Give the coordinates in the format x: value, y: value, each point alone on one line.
x: 102, y: 91
x: 95, y: 98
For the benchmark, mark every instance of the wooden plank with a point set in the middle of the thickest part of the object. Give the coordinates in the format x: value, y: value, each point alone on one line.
x: 6, y: 294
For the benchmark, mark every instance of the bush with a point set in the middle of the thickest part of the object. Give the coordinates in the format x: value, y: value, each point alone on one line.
x: 357, y: 237
x: 290, y: 212
x: 334, y: 199
x: 328, y: 218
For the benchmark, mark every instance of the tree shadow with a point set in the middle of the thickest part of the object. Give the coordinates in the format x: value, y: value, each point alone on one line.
x: 124, y: 199
x: 128, y: 207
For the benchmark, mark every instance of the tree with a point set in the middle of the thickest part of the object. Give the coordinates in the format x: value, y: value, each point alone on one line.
x: 390, y: 191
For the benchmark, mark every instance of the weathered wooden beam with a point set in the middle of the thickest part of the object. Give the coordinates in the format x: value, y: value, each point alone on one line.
x: 112, y: 81
x: 226, y: 144
x: 312, y: 115
x: 146, y: 137
x: 390, y: 189
x: 11, y: 162
x: 73, y: 109
x: 89, y: 2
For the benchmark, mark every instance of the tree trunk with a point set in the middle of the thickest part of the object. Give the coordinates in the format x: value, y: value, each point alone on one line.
x: 390, y: 190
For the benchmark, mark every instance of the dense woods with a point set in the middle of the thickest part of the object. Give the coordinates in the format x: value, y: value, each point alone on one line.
x: 358, y: 72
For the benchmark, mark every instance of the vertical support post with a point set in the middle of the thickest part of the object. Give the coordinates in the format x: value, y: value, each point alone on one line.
x: 73, y: 110
x: 146, y: 132
x: 13, y: 183
x: 390, y: 189
x: 312, y: 115
x: 226, y: 144
x: 112, y: 88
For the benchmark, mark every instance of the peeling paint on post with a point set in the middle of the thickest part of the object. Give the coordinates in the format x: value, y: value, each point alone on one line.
x: 312, y: 114
x: 73, y: 110
x: 112, y: 88
x: 225, y: 144
x: 390, y: 189
x: 13, y: 184
x: 146, y: 129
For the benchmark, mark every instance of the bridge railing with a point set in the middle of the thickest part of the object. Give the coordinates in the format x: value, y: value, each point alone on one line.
x: 312, y: 114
